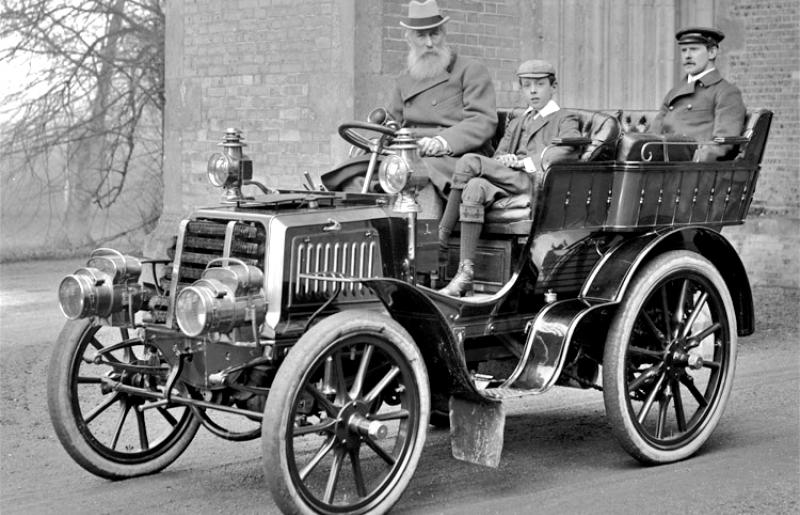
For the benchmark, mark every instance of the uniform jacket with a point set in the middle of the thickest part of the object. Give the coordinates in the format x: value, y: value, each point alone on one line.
x: 458, y: 105
x: 704, y: 109
x: 561, y: 124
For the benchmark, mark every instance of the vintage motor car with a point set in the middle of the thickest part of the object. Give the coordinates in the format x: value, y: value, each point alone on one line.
x: 311, y: 319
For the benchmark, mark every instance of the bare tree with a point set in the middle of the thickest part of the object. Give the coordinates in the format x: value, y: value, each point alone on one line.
x: 90, y: 118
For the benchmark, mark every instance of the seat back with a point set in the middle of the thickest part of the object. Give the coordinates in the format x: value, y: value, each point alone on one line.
x: 604, y: 131
x: 756, y: 130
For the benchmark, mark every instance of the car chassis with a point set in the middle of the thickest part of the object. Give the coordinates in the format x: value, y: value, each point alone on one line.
x: 310, y: 318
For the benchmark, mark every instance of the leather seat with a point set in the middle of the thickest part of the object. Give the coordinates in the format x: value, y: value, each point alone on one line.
x: 600, y: 132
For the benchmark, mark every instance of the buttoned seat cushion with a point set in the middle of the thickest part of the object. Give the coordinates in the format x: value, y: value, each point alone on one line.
x: 600, y: 128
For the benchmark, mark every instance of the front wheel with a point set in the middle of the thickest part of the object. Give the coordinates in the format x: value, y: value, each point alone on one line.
x: 345, y: 420
x: 669, y: 359
x: 104, y: 429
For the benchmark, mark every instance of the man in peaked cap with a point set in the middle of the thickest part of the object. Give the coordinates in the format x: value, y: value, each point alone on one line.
x: 448, y: 100
x: 520, y: 159
x: 704, y: 105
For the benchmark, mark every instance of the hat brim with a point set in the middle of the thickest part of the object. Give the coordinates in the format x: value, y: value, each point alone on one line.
x: 536, y: 75
x: 425, y: 23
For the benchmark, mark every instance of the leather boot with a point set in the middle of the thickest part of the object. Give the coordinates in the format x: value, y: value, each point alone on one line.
x: 461, y: 284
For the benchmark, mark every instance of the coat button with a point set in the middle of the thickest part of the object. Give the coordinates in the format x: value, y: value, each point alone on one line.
x: 689, y: 107
x: 433, y: 102
x: 671, y: 108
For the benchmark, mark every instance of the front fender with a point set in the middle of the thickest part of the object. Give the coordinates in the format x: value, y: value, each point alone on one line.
x: 611, y: 277
x: 422, y: 318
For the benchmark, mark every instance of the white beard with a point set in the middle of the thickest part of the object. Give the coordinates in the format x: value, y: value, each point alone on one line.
x: 427, y: 65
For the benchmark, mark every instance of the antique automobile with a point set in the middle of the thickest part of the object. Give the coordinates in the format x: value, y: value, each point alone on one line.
x: 311, y: 319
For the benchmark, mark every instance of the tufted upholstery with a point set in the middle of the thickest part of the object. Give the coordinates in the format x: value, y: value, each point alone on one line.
x: 599, y: 131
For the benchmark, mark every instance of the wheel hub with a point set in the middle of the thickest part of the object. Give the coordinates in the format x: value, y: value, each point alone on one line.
x: 353, y: 423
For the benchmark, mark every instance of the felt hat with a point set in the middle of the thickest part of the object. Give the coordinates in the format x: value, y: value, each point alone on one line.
x: 535, y: 69
x: 699, y: 35
x: 423, y: 15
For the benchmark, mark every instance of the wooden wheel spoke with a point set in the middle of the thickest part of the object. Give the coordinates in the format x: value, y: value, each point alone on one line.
x: 651, y: 397
x: 639, y: 351
x: 663, y: 407
x: 388, y: 458
x: 702, y: 335
x: 677, y: 400
x: 341, y: 386
x: 120, y: 424
x: 654, y: 329
x: 392, y: 415
x: 324, y: 449
x: 329, y: 408
x: 696, y: 309
x: 109, y: 399
x: 141, y: 424
x: 333, y: 476
x: 645, y: 376
x: 358, y: 475
x: 363, y: 366
x: 665, y: 310
x: 314, y: 428
x: 689, y: 384
x: 680, y: 307
x: 168, y: 417
x: 383, y: 383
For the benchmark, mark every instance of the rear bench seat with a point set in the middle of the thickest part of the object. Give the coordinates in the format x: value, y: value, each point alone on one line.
x: 600, y: 132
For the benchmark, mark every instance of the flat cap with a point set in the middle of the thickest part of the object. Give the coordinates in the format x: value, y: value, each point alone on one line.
x: 701, y: 35
x: 535, y: 69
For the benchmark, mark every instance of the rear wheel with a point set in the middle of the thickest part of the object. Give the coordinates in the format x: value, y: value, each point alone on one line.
x: 345, y: 420
x: 669, y: 359
x: 101, y: 428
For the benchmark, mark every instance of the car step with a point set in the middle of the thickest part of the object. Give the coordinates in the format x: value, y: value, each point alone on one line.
x: 501, y: 393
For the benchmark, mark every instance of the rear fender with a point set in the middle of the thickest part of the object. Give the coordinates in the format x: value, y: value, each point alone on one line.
x: 611, y: 277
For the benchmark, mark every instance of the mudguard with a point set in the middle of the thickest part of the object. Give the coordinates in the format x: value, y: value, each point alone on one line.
x: 611, y: 276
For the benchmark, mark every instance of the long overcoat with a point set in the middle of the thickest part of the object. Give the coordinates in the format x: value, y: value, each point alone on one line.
x: 458, y: 104
x: 703, y: 109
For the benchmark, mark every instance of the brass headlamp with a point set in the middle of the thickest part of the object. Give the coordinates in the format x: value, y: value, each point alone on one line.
x: 107, y: 285
x: 224, y: 298
x: 230, y: 168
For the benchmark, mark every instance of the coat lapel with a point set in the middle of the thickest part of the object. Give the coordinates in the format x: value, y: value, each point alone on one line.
x: 684, y: 89
x: 537, y: 125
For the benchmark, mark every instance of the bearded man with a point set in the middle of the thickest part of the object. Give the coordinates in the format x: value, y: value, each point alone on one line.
x: 449, y: 101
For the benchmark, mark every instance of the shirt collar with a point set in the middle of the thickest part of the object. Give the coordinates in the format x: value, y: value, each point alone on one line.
x: 549, y: 108
x: 691, y: 78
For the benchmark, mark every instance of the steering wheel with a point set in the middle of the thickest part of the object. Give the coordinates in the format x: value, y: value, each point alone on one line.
x: 348, y: 133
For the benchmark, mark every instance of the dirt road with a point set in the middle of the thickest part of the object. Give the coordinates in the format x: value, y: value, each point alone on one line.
x: 559, y: 455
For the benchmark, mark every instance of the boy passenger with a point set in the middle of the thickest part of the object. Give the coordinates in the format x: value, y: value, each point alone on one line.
x: 478, y: 180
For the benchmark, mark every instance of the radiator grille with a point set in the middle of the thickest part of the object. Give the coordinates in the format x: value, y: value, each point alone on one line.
x: 205, y: 240
x: 346, y: 258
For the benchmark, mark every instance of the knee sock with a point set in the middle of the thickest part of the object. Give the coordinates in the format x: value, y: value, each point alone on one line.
x: 450, y: 215
x: 470, y: 232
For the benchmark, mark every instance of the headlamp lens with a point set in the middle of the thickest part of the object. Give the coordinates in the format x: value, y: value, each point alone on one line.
x: 393, y: 174
x: 220, y: 168
x: 71, y: 296
x: 191, y: 311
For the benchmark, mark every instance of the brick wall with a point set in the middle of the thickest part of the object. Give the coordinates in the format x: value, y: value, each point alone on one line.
x: 765, y: 64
